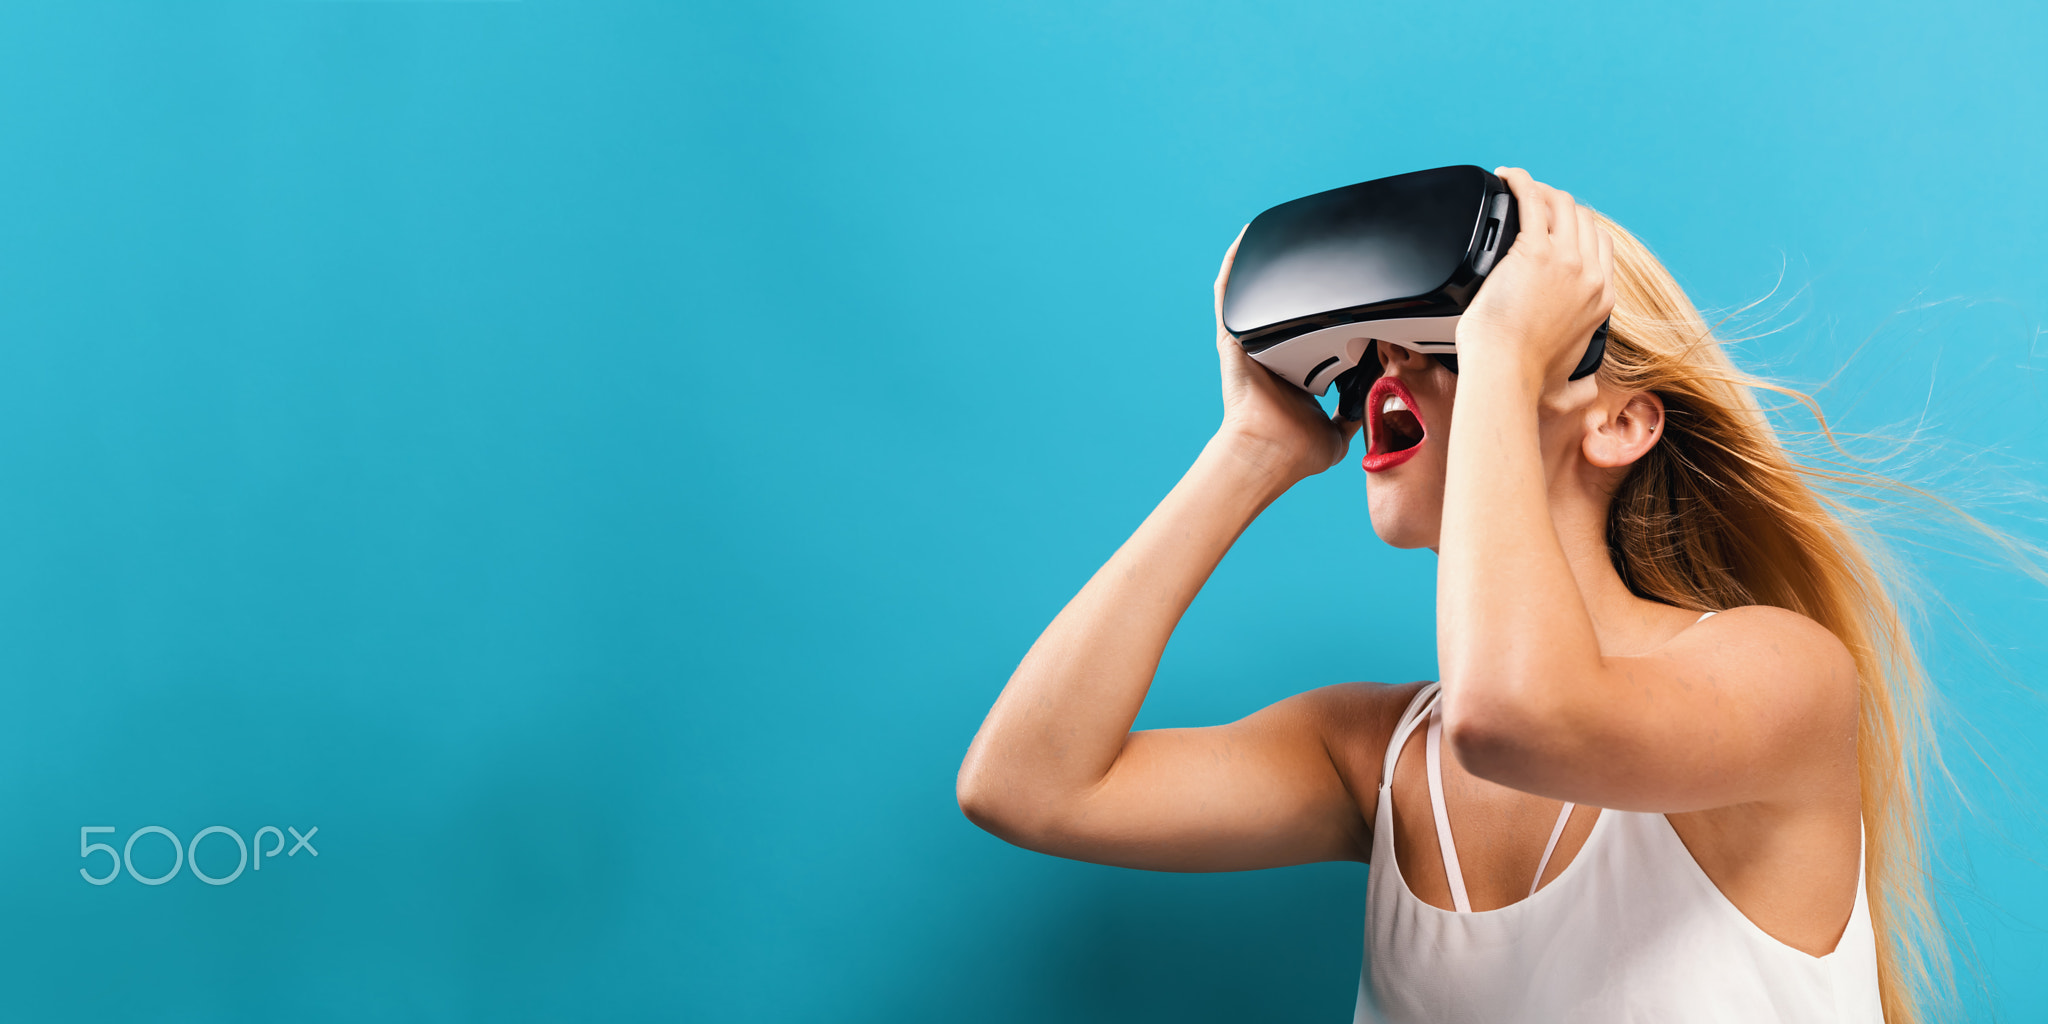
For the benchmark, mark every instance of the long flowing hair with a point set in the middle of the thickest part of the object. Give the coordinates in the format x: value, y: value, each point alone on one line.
x: 1721, y: 513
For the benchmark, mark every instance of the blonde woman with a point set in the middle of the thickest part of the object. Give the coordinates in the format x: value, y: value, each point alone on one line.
x: 1669, y: 771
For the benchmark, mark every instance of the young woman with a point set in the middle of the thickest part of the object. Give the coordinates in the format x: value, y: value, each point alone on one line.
x: 1669, y: 772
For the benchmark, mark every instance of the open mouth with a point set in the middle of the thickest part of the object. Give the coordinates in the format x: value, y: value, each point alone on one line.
x: 1395, y: 430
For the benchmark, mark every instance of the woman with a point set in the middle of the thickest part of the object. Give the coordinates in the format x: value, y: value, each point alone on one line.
x: 1669, y: 772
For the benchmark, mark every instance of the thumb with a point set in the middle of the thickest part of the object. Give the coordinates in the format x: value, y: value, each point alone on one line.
x: 1348, y: 429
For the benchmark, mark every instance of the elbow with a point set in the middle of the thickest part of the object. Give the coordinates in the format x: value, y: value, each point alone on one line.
x: 1018, y: 814
x: 976, y: 800
x: 990, y: 805
x: 1490, y: 738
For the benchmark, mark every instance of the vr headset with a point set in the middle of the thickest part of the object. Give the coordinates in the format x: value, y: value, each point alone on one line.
x: 1318, y: 280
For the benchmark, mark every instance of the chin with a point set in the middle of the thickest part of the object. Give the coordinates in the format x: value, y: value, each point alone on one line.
x: 1404, y: 467
x: 1399, y: 518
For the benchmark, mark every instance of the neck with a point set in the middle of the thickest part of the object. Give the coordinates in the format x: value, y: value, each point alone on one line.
x: 1624, y: 622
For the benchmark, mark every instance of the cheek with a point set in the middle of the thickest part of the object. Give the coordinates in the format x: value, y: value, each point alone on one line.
x: 1438, y: 428
x: 1439, y: 405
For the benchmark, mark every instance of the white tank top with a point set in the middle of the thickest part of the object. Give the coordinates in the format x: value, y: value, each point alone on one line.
x: 1632, y: 930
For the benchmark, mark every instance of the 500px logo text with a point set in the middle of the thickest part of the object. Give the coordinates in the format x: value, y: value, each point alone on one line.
x: 182, y: 854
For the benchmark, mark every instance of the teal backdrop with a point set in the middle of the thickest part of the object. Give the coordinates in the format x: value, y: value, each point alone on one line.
x: 596, y: 463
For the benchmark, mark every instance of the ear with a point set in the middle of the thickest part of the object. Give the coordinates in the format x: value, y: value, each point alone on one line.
x: 1619, y: 434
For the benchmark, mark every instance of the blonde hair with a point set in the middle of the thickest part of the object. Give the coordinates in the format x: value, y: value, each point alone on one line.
x: 1721, y: 514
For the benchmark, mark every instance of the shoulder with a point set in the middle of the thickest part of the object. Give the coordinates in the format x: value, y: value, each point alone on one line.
x: 1356, y: 722
x: 1802, y: 670
x: 1768, y: 637
x: 1350, y: 713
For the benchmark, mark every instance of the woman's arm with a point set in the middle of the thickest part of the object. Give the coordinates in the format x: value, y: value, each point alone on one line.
x: 1055, y: 766
x: 1753, y: 705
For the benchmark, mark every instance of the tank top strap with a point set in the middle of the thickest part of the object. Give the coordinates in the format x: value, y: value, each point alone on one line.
x: 1564, y: 817
x: 1410, y: 718
x: 1445, y: 844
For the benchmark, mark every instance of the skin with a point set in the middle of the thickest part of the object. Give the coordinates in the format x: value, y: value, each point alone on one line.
x: 1559, y: 684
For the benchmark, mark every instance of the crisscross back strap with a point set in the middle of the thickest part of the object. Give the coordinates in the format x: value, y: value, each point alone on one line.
x: 1556, y: 831
x: 1410, y: 718
x: 1436, y: 809
x: 1564, y: 817
x: 1444, y: 842
x: 1429, y: 705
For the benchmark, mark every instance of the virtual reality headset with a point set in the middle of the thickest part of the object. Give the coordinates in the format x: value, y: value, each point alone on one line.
x: 1318, y: 280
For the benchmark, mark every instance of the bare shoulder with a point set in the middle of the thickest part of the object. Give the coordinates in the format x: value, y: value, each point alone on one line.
x: 1771, y: 809
x: 1795, y: 692
x: 1356, y: 722
x: 1805, y: 662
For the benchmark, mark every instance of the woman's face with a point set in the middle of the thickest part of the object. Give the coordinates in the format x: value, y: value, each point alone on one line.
x: 1588, y: 437
x: 1407, y: 421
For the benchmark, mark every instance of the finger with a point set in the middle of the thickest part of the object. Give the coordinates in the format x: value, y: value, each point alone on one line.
x: 1227, y: 348
x: 1534, y: 215
x: 1347, y: 429
x: 1232, y: 351
x: 1564, y: 221
x: 1607, y: 265
x: 1223, y: 272
x: 1589, y: 241
x: 1345, y: 432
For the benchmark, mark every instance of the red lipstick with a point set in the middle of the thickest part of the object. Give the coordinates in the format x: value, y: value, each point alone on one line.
x: 1392, y: 439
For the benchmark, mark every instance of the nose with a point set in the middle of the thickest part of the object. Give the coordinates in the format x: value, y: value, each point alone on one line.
x: 1382, y: 359
x: 1407, y: 360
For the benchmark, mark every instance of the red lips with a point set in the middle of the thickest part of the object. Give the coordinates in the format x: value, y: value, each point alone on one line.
x: 1395, y: 435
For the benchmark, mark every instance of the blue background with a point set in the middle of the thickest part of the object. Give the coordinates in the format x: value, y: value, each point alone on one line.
x: 597, y: 463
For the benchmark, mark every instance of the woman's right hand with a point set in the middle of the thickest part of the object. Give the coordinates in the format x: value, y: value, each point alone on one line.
x: 1275, y: 423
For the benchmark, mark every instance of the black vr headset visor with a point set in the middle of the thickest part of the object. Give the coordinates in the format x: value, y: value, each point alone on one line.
x: 1318, y: 280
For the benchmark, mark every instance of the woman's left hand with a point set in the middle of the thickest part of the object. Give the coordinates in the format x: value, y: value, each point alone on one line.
x: 1540, y: 305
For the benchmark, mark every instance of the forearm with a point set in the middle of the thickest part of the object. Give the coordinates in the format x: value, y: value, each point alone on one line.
x: 1512, y: 625
x: 1062, y: 720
